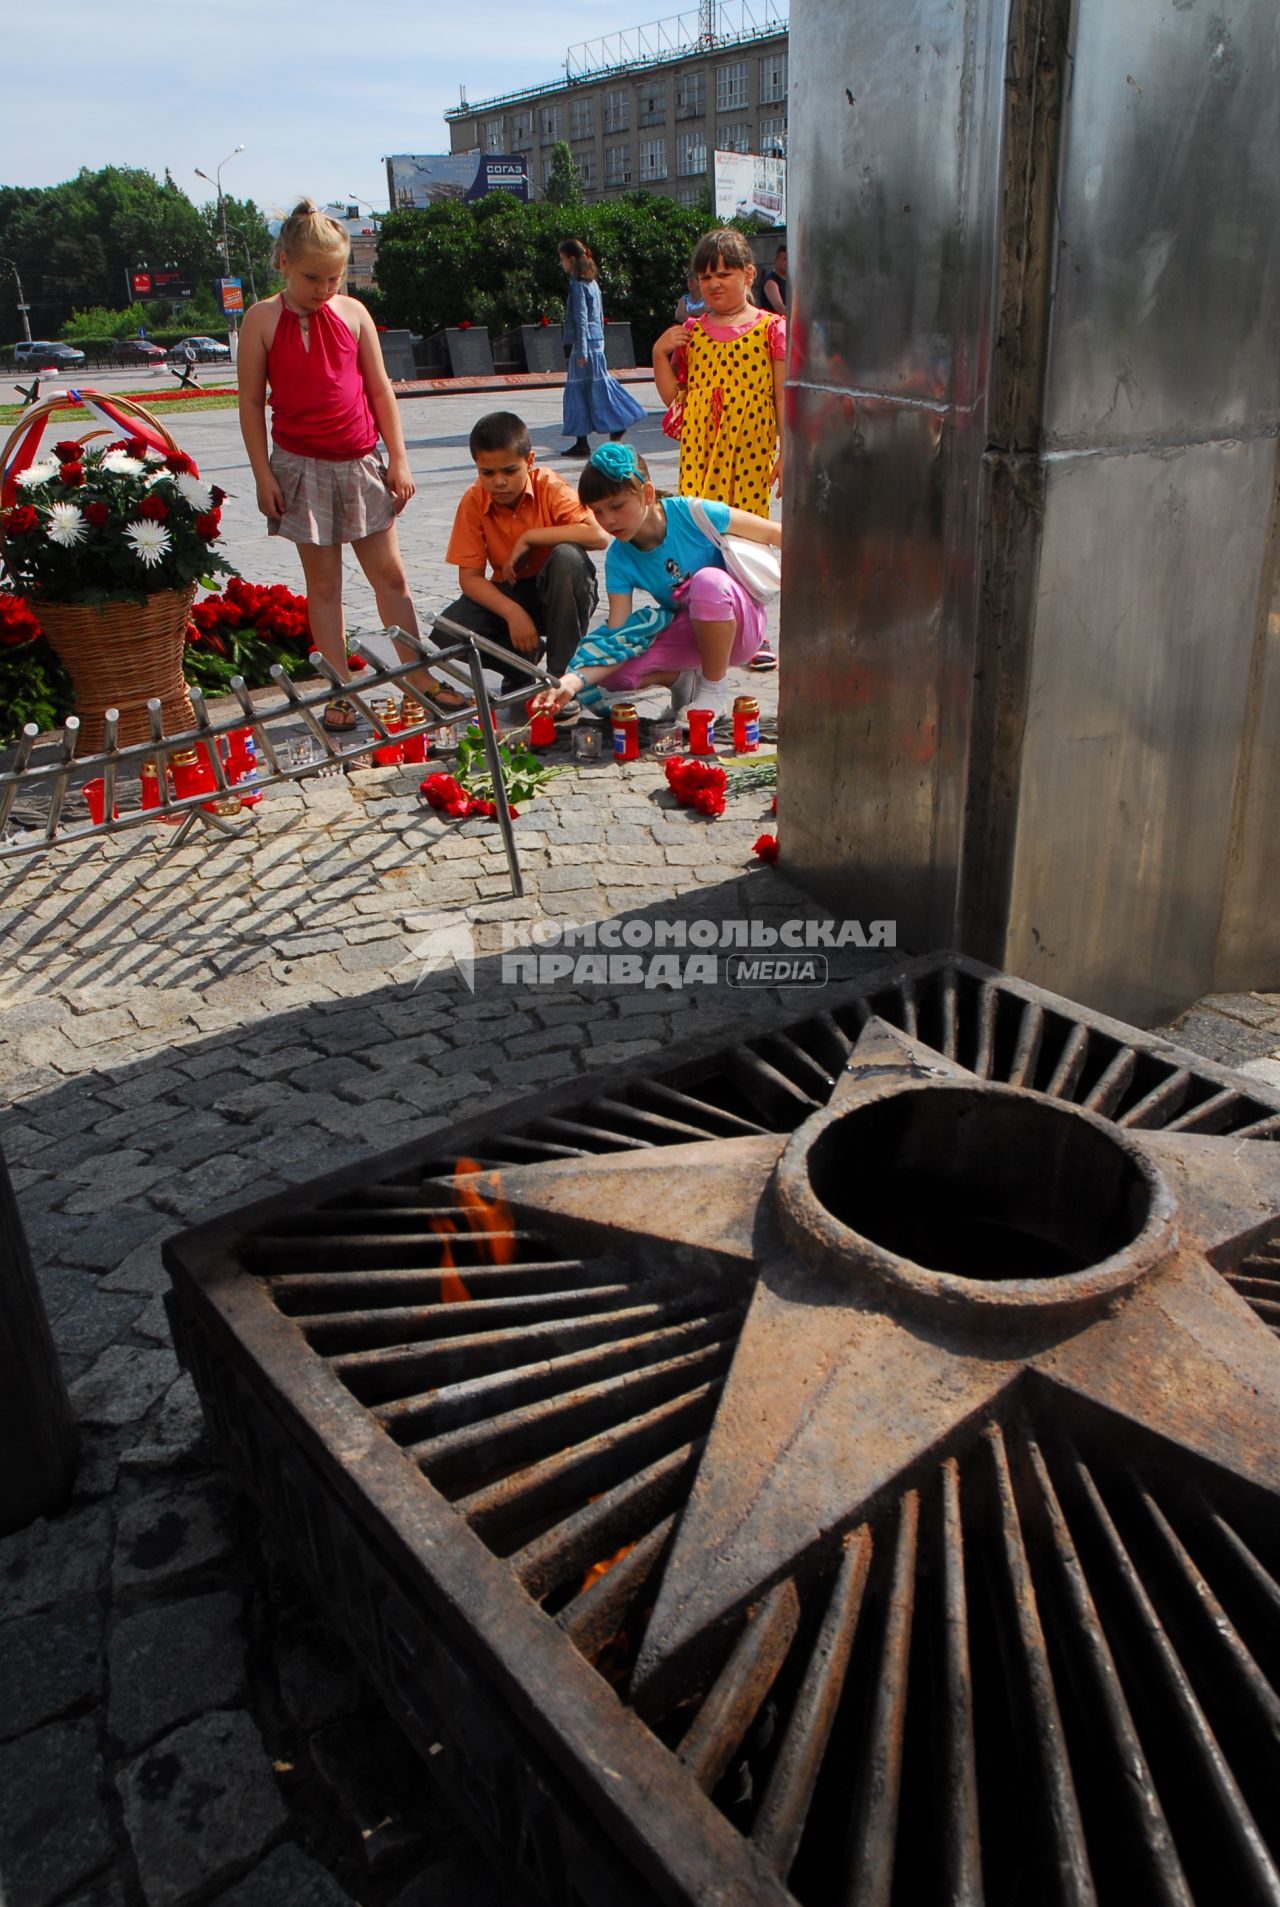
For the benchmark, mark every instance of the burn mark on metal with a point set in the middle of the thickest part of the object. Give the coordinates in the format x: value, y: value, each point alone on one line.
x: 839, y: 1468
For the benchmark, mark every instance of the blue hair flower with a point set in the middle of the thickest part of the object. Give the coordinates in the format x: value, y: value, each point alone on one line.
x: 618, y: 461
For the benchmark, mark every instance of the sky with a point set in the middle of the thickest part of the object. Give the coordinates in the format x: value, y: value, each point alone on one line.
x: 316, y: 94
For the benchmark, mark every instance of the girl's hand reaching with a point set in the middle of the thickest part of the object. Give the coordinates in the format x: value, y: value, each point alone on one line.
x: 270, y: 498
x: 547, y: 701
x: 400, y: 482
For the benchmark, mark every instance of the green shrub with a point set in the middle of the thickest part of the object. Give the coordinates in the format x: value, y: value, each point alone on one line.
x: 493, y: 261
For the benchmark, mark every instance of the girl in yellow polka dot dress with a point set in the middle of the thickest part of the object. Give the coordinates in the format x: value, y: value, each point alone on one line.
x: 724, y: 372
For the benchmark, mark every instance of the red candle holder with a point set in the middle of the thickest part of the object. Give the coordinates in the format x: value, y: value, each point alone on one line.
x: 390, y: 754
x: 701, y: 725
x: 542, y: 727
x: 94, y: 793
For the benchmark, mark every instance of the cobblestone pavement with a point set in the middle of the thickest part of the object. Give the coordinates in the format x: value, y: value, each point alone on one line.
x: 176, y: 1725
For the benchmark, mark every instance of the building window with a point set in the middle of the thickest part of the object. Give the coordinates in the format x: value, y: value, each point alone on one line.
x: 688, y: 195
x: 734, y: 138
x: 691, y: 94
x: 691, y: 153
x: 773, y: 136
x: 617, y: 165
x: 586, y: 164
x: 494, y: 134
x: 731, y: 87
x: 617, y: 110
x: 773, y: 78
x: 550, y: 125
x: 653, y: 160
x: 651, y: 109
x: 582, y: 118
x: 521, y: 129
x: 548, y: 167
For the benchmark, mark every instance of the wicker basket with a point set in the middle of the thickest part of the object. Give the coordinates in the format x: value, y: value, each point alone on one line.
x: 118, y: 655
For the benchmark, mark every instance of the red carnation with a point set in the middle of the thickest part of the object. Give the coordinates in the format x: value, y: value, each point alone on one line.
x: 71, y: 473
x: 766, y: 849
x: 68, y: 451
x: 20, y: 520
x: 773, y: 806
x: 356, y: 662
x: 17, y: 624
x: 207, y: 524
x: 97, y: 514
x: 154, y: 507
x: 464, y: 324
x: 708, y: 801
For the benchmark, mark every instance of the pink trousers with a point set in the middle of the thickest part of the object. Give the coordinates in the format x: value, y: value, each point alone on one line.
x: 713, y: 596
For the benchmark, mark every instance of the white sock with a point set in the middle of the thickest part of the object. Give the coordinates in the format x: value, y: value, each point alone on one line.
x: 710, y: 695
x: 681, y: 695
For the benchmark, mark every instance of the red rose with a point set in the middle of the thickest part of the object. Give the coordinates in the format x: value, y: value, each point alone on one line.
x: 68, y: 451
x: 137, y: 446
x: 97, y: 514
x: 20, y: 520
x: 218, y: 495
x: 766, y: 849
x: 183, y: 465
x: 709, y: 801
x: 71, y: 473
x: 207, y: 525
x: 17, y: 624
x: 154, y: 507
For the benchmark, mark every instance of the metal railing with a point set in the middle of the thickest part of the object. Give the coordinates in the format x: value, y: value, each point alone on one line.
x: 461, y: 658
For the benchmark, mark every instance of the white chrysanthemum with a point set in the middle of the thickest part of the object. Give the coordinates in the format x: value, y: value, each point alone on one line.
x: 154, y: 477
x: 66, y: 524
x: 36, y: 474
x: 149, y: 541
x: 120, y: 464
x: 197, y: 494
x: 154, y: 456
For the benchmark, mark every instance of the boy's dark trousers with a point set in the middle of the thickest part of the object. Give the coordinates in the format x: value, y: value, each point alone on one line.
x: 560, y: 600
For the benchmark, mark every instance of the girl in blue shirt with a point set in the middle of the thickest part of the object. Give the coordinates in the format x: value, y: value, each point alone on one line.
x: 658, y: 548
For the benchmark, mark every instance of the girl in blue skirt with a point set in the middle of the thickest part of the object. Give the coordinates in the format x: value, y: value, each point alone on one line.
x: 593, y: 400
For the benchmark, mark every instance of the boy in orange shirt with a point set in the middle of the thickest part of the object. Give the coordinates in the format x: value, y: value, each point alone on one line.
x: 520, y: 540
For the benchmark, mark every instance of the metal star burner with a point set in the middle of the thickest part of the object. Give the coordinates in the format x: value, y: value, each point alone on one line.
x: 838, y: 1469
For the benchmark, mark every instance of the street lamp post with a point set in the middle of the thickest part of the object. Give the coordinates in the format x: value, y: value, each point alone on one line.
x: 23, y: 307
x: 243, y: 236
x: 216, y: 183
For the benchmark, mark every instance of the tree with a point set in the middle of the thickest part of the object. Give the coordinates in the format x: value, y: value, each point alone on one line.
x: 493, y: 261
x: 564, y: 181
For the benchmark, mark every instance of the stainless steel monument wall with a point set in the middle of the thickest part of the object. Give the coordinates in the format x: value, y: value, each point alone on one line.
x: 1032, y: 701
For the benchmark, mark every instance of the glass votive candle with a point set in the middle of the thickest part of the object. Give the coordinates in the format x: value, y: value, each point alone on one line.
x: 586, y: 744
x: 444, y: 739
x: 664, y: 738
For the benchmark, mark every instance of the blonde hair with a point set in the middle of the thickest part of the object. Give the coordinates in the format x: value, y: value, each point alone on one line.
x: 307, y: 230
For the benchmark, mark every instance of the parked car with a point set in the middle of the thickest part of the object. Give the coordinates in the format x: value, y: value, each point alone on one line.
x: 42, y: 351
x: 207, y: 351
x: 138, y: 351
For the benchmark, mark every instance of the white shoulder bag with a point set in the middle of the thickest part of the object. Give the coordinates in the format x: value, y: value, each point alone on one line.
x: 757, y: 566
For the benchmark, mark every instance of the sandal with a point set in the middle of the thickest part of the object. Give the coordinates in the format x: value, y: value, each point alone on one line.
x: 339, y: 718
x: 764, y: 661
x: 450, y: 701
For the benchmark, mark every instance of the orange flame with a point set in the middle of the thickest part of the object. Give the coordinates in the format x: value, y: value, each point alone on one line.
x: 485, y: 1217
x: 452, y: 1289
x: 602, y: 1568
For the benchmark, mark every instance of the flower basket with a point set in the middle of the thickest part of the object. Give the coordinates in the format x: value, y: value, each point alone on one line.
x: 107, y: 548
x: 119, y: 655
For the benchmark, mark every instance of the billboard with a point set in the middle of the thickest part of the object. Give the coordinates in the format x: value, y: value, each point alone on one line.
x: 231, y: 291
x: 749, y: 186
x: 419, y: 178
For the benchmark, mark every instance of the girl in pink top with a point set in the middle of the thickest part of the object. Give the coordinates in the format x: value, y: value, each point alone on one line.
x: 322, y: 484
